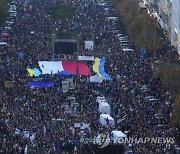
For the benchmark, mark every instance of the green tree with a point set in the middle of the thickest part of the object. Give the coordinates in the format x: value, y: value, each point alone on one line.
x: 169, y: 72
x: 175, y: 119
x: 142, y: 28
x: 3, y: 11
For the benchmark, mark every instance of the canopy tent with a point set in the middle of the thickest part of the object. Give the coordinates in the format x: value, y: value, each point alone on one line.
x: 89, y: 45
x: 101, y: 98
x: 104, y: 108
x: 96, y: 79
x: 106, y: 120
x: 102, y: 101
x: 64, y: 67
x: 117, y: 134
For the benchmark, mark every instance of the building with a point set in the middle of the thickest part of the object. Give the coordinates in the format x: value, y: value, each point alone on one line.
x: 164, y: 16
x: 152, y: 6
x: 175, y: 25
x: 168, y: 17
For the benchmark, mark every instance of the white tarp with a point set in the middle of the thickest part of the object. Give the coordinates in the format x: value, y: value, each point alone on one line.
x: 50, y: 67
x: 89, y: 45
x: 106, y: 120
x: 87, y: 58
x: 96, y: 79
x: 104, y: 108
x: 117, y: 134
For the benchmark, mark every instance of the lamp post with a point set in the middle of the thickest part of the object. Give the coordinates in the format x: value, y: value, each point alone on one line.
x: 144, y: 37
x: 155, y: 33
x: 53, y: 38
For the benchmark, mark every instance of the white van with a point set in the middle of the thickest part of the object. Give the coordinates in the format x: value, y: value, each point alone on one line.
x: 112, y: 18
x: 7, y: 28
x: 9, y: 22
x: 3, y: 44
x: 124, y: 42
x: 127, y: 50
x: 125, y: 46
x: 13, y: 13
x: 12, y: 8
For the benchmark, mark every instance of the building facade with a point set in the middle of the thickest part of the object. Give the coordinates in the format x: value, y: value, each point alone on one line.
x: 175, y: 25
x: 164, y: 15
x: 168, y: 17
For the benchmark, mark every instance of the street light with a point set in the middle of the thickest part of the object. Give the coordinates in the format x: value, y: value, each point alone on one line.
x: 155, y: 33
x: 144, y: 37
x: 53, y: 38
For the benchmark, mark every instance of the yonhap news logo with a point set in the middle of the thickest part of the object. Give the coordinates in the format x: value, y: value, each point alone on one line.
x: 103, y: 140
x: 141, y: 140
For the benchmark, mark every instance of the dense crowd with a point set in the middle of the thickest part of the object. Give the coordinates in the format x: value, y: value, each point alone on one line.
x: 29, y: 109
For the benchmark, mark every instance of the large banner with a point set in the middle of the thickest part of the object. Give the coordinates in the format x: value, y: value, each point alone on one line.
x: 71, y: 83
x: 64, y: 68
x: 65, y: 86
x: 34, y: 72
x: 98, y: 67
x: 40, y: 84
x: 9, y: 84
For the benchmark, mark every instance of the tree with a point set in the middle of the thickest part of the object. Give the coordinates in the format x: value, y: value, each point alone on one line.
x: 142, y: 28
x: 169, y: 72
x: 3, y: 11
x: 175, y: 119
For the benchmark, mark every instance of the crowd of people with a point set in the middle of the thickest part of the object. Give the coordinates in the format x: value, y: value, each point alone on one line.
x: 36, y: 110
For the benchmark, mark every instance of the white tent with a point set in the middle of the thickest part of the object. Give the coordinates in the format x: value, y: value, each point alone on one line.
x: 104, y: 108
x: 101, y: 101
x: 89, y: 45
x: 96, y: 79
x: 100, y: 98
x: 117, y: 134
x: 106, y: 120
